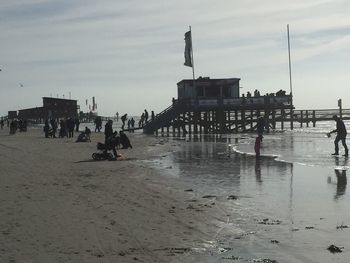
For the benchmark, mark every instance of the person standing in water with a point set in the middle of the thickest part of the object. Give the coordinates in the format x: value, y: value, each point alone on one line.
x: 341, y: 136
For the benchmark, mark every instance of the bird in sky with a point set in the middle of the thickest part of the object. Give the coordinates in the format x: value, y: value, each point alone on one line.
x: 21, y: 85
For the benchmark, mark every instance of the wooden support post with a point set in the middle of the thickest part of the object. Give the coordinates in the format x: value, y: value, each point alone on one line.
x: 301, y: 119
x: 282, y: 119
x: 243, y: 120
x: 307, y: 119
x: 267, y: 120
x: 206, y: 122
x: 314, y: 118
x: 251, y: 119
x: 228, y: 121
x: 291, y: 117
x: 273, y: 119
x: 184, y: 131
x: 174, y: 128
x: 236, y: 120
x: 195, y: 122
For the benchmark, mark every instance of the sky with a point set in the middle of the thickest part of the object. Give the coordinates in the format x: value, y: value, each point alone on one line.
x: 129, y: 55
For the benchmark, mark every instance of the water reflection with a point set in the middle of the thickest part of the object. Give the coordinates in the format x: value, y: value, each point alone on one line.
x: 208, y: 163
x: 258, y: 170
x: 341, y: 183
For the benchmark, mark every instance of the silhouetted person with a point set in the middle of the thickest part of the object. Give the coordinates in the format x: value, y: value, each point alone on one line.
x: 146, y: 116
x: 84, y: 136
x: 123, y: 118
x: 111, y: 143
x: 117, y: 116
x: 77, y: 123
x: 2, y: 124
x: 142, y: 119
x: 63, y: 129
x: 54, y: 127
x: 124, y: 140
x: 152, y: 115
x: 108, y: 129
x: 129, y: 125
x: 46, y: 129
x: 341, y: 136
x: 98, y: 124
x: 132, y: 123
x: 13, y: 126
x: 260, y: 126
x: 70, y: 126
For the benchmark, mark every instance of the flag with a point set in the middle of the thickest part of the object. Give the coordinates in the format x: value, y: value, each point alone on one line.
x: 188, y: 49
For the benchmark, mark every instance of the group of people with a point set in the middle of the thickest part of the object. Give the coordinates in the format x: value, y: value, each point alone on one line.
x: 144, y: 118
x: 257, y: 93
x: 15, y: 125
x: 113, y: 140
x: 67, y: 127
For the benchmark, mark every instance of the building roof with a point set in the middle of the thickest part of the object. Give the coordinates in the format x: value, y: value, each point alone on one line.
x: 204, y: 79
x: 50, y: 98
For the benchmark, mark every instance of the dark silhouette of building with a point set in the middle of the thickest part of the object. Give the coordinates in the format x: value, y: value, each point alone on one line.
x: 52, y: 108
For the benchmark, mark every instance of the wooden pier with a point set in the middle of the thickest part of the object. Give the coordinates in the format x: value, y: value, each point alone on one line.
x: 192, y: 117
x: 222, y: 115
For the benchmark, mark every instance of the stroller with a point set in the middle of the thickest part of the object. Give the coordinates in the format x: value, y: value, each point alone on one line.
x: 103, y: 153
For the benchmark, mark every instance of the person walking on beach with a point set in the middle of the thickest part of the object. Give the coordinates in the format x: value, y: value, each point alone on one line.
x: 77, y: 124
x: 260, y: 126
x: 132, y: 123
x: 2, y: 124
x: 123, y: 118
x: 341, y: 136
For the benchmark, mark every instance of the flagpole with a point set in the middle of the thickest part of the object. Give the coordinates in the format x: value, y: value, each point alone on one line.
x: 290, y: 64
x: 194, y: 82
x: 290, y: 82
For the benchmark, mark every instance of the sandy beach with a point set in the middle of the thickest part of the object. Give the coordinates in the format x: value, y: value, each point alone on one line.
x: 57, y: 205
x: 167, y: 200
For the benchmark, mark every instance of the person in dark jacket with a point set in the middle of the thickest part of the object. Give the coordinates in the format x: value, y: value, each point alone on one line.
x: 124, y: 140
x: 260, y: 126
x: 108, y: 129
x: 341, y: 136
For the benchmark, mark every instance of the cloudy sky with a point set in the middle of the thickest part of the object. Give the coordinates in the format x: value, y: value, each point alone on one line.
x: 129, y: 54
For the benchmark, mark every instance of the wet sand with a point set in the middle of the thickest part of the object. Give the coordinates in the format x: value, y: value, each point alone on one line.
x: 57, y: 205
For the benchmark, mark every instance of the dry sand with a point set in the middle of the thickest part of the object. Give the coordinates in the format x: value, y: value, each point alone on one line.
x: 57, y: 205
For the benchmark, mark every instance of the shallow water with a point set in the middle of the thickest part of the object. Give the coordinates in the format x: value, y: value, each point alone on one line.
x: 298, y: 198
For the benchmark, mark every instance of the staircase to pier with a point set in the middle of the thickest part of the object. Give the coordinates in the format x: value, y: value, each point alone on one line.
x: 165, y: 118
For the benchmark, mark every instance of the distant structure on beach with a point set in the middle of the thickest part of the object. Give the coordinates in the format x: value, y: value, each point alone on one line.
x: 52, y: 108
x: 207, y: 105
x: 206, y: 89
